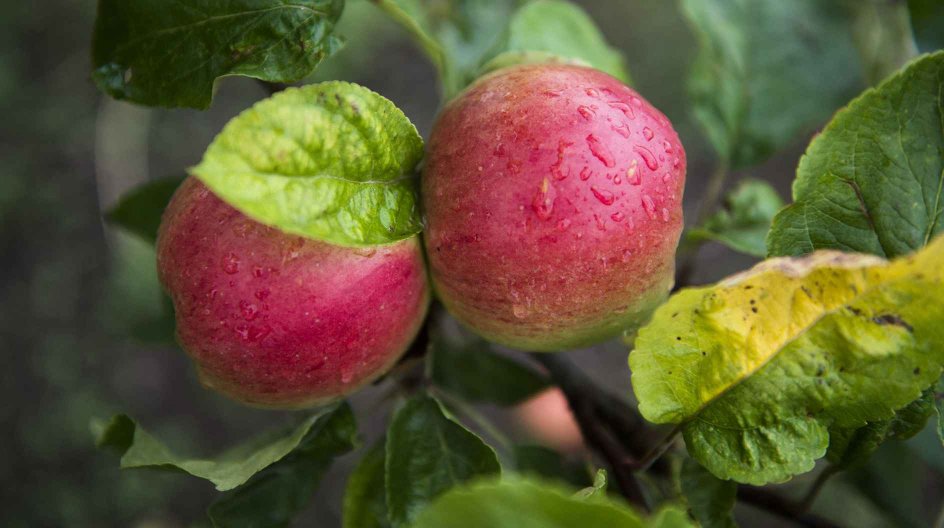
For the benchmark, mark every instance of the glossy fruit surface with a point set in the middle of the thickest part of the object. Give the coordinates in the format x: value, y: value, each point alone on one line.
x: 553, y: 197
x: 277, y: 320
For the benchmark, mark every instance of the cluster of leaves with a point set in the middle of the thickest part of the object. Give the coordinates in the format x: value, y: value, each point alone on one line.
x: 765, y: 373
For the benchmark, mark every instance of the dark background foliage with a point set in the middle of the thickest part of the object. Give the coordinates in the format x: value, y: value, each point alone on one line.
x: 81, y: 317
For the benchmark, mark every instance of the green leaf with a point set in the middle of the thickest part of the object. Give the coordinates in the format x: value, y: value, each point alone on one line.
x: 563, y: 29
x: 927, y: 19
x: 365, y: 503
x: 519, y: 503
x: 744, y: 221
x: 882, y: 33
x: 710, y: 499
x: 872, y: 180
x: 331, y: 161
x: 762, y: 366
x: 768, y: 70
x: 469, y: 368
x: 138, y: 449
x: 671, y: 517
x: 152, y: 53
x: 428, y: 452
x: 547, y: 464
x: 139, y: 212
x: 597, y: 490
x: 850, y: 448
x: 275, y: 495
x: 456, y: 35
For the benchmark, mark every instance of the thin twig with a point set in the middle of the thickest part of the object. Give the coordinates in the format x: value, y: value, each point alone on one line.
x: 688, y: 251
x: 575, y: 388
x: 656, y: 452
x: 807, y: 501
x: 782, y: 507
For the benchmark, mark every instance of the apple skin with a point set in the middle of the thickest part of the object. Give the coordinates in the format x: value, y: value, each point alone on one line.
x: 281, y: 321
x: 553, y: 201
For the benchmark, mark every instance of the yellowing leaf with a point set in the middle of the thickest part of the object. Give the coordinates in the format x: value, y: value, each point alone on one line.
x: 760, y: 367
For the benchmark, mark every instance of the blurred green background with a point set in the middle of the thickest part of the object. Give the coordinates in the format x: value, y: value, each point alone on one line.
x: 83, y: 326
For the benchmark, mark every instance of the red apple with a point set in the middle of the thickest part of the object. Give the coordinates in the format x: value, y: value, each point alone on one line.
x: 277, y: 320
x: 553, y: 197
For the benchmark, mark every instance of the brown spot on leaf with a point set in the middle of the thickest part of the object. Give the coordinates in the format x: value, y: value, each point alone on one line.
x: 892, y: 319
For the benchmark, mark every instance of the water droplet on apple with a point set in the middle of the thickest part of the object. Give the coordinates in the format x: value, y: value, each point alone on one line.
x: 605, y: 197
x: 249, y: 310
x: 585, y: 112
x: 647, y: 157
x: 601, y: 223
x: 647, y: 133
x: 625, y: 108
x: 632, y: 173
x: 563, y: 224
x: 519, y: 310
x: 231, y: 264
x: 618, y: 216
x: 622, y: 129
x: 585, y: 173
x: 543, y: 201
x: 600, y: 150
x: 649, y: 206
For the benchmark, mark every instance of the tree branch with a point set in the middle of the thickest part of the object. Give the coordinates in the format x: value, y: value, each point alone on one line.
x: 577, y: 389
x: 688, y: 251
x: 782, y: 507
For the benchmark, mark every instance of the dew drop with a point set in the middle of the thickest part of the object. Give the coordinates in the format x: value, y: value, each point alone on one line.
x: 618, y: 216
x: 636, y: 101
x: 499, y: 150
x: 552, y: 93
x: 667, y: 146
x: 647, y: 157
x: 617, y: 179
x: 258, y: 272
x: 592, y: 93
x: 601, y: 223
x: 347, y: 374
x: 231, y: 263
x: 262, y: 294
x: 667, y: 177
x: 249, y: 310
x: 543, y: 202
x: 625, y: 108
x: 649, y: 206
x: 605, y: 197
x: 632, y: 173
x: 563, y: 224
x: 557, y: 170
x: 647, y: 133
x: 627, y: 255
x: 585, y: 174
x: 585, y: 112
x: 665, y: 214
x: 622, y: 129
x: 600, y: 150
x: 676, y: 162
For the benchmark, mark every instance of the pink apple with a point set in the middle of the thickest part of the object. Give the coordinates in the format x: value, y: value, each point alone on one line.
x: 277, y: 320
x: 553, y: 197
